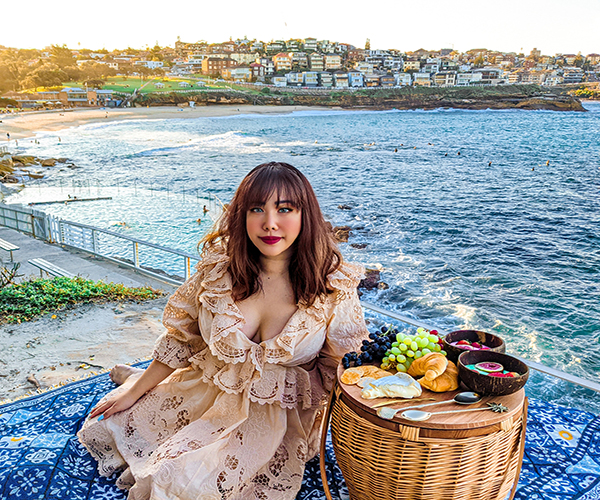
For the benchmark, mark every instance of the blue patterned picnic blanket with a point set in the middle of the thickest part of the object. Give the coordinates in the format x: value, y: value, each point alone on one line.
x: 41, y: 458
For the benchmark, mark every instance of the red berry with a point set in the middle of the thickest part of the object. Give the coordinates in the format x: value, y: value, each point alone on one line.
x: 476, y: 344
x: 463, y: 342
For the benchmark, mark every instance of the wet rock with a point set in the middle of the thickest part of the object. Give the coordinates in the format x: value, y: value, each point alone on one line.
x: 62, y: 160
x: 341, y: 233
x: 6, y: 165
x: 358, y: 245
x: 344, y: 207
x: 382, y: 285
x: 25, y: 160
x: 371, y: 280
x: 48, y: 162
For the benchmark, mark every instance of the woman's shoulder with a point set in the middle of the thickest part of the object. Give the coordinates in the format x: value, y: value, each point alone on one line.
x: 347, y: 276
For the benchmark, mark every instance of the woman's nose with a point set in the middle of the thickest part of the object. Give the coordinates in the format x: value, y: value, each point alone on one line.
x: 270, y: 222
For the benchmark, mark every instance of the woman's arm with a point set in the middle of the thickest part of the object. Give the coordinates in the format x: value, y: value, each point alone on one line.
x: 151, y: 377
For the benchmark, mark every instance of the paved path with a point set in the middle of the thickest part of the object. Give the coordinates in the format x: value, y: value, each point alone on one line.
x: 75, y: 261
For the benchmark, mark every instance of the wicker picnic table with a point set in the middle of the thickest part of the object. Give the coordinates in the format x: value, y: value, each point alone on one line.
x: 459, y: 456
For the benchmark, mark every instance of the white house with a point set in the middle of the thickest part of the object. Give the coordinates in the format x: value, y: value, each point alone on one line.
x: 403, y: 79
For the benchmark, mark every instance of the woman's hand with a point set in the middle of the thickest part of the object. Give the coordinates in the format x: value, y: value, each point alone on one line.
x: 115, y: 404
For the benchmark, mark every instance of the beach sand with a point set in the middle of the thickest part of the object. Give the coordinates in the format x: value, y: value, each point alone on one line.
x: 25, y: 124
x: 76, y: 342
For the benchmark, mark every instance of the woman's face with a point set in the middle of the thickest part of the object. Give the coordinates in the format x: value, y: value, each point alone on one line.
x: 274, y: 227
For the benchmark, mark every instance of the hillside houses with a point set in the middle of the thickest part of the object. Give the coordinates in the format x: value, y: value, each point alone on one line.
x: 317, y: 63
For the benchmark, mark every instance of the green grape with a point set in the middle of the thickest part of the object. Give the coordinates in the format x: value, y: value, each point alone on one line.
x: 391, y: 357
x: 400, y: 337
x: 394, y: 344
x: 431, y: 346
x: 420, y: 329
x: 423, y: 334
x: 407, y: 363
x: 403, y: 347
x: 385, y: 366
x: 410, y: 354
x: 395, y: 351
x: 401, y: 358
x: 385, y: 359
x: 437, y: 348
x: 444, y: 352
x: 418, y: 354
x: 423, y: 342
x: 426, y: 351
x: 401, y: 368
x: 408, y: 341
x: 414, y: 345
x: 432, y: 338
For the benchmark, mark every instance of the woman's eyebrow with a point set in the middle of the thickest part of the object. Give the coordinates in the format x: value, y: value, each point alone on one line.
x: 285, y: 202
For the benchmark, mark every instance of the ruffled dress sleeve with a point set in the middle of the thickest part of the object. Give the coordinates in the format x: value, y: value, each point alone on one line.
x: 346, y: 326
x: 182, y: 340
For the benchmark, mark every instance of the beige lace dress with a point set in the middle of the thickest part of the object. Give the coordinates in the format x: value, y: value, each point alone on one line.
x: 236, y: 419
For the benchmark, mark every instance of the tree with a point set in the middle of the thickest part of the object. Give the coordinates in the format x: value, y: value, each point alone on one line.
x: 12, y: 70
x: 479, y: 61
x: 61, y: 56
x: 46, y: 75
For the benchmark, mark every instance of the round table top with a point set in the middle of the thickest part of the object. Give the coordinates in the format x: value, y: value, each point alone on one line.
x: 450, y: 421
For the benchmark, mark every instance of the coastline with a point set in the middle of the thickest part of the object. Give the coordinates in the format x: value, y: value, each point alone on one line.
x: 26, y: 124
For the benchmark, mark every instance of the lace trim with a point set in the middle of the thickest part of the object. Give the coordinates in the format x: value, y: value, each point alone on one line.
x: 286, y: 386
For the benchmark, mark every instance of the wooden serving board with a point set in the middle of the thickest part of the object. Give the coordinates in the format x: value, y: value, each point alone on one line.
x: 453, y: 424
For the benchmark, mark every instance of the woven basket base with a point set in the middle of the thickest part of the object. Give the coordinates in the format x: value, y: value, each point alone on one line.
x: 380, y: 464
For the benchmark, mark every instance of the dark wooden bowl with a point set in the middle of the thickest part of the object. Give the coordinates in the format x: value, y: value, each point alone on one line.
x: 485, y: 384
x: 494, y: 342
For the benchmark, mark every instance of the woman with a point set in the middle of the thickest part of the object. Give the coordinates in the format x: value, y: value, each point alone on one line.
x: 231, y: 405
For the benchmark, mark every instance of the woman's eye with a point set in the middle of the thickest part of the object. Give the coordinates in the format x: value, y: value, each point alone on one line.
x: 256, y: 210
x: 285, y: 210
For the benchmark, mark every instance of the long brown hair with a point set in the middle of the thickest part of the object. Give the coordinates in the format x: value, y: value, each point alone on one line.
x: 315, y: 252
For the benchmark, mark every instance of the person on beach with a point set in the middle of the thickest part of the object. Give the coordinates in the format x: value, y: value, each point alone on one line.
x: 232, y: 403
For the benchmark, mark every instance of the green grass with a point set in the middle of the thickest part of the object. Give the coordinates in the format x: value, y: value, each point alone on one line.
x: 29, y: 299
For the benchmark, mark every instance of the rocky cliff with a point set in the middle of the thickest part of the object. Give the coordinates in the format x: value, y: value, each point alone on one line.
x: 500, y: 97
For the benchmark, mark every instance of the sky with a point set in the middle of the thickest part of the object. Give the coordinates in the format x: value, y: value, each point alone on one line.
x: 552, y: 26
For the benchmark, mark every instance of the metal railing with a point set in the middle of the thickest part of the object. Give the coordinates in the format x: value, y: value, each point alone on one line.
x: 588, y: 384
x: 86, y: 237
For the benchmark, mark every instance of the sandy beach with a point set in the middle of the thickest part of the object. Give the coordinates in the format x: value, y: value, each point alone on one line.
x: 26, y: 123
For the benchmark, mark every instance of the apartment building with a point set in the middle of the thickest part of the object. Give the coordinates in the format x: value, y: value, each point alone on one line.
x: 310, y: 78
x: 333, y: 61
x: 214, y: 66
x: 316, y: 62
x: 282, y: 61
x: 310, y: 45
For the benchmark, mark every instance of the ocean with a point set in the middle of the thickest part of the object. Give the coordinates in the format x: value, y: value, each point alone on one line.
x: 483, y: 220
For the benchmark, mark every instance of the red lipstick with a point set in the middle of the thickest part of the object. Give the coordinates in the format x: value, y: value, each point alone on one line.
x: 270, y: 240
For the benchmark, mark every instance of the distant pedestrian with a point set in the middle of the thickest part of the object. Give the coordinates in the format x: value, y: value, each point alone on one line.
x: 7, y: 136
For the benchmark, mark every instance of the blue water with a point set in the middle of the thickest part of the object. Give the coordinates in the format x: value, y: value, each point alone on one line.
x: 469, y: 224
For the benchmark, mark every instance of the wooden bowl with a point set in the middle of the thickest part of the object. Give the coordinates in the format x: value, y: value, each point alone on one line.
x: 489, y: 385
x: 494, y: 342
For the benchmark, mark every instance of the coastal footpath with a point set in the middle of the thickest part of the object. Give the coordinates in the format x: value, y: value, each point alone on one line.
x: 531, y: 97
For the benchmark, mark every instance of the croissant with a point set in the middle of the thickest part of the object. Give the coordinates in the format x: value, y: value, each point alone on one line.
x: 447, y: 381
x: 432, y: 365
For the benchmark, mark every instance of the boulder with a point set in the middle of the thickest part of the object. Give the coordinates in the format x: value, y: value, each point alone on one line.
x: 6, y: 165
x: 62, y: 160
x: 48, y: 162
x: 25, y: 160
x: 371, y: 280
x: 358, y: 245
x: 344, y: 207
x: 341, y: 233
